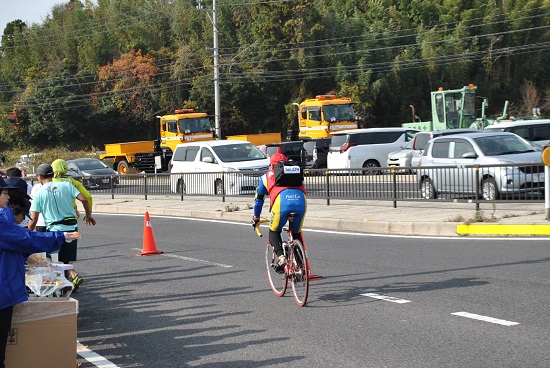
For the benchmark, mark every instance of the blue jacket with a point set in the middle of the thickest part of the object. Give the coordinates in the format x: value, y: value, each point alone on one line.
x: 15, y: 241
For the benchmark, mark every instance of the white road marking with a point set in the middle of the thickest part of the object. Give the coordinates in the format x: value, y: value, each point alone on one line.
x: 386, y: 298
x: 485, y: 318
x: 94, y: 358
x: 458, y: 238
x: 191, y: 259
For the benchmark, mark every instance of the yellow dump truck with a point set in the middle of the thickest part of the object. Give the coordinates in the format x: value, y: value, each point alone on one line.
x: 185, y: 125
x: 323, y: 115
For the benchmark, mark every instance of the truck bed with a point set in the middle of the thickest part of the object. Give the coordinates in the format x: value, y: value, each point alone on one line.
x: 122, y: 149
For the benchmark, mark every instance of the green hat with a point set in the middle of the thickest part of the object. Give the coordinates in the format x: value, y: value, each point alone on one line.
x: 60, y: 167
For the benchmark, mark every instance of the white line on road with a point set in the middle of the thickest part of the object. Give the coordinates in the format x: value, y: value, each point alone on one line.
x: 92, y: 357
x: 386, y: 298
x: 458, y: 238
x: 191, y: 259
x: 485, y: 318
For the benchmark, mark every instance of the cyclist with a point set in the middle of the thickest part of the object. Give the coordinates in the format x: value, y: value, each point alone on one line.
x: 283, y: 200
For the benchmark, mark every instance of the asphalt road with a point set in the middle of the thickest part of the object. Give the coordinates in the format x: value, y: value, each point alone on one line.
x: 206, y: 302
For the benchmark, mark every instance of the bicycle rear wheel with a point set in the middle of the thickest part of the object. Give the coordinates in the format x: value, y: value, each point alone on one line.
x: 299, y: 273
x: 277, y: 280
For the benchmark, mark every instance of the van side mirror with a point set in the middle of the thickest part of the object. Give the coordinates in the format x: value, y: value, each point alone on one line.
x: 208, y: 160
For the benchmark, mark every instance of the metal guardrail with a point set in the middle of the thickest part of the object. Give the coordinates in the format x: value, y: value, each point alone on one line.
x: 448, y: 183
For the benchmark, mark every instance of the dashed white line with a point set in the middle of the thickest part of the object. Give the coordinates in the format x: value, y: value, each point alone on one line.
x: 485, y: 318
x: 93, y: 358
x: 386, y: 298
x: 192, y: 259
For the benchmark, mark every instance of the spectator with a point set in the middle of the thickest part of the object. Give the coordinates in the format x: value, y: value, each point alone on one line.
x: 14, y: 172
x: 15, y: 243
x: 19, y: 200
x: 55, y: 202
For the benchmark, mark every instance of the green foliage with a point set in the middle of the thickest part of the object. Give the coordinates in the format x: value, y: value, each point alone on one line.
x: 94, y: 74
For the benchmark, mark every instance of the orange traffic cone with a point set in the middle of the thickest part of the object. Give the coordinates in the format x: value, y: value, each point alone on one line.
x: 149, y: 245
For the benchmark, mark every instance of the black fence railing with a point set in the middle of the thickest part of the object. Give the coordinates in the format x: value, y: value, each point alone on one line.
x: 442, y: 183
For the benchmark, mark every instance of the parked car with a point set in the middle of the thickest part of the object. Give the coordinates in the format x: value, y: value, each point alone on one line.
x: 28, y: 163
x: 409, y: 155
x: 366, y: 148
x: 212, y: 167
x: 535, y: 131
x: 524, y: 174
x: 294, y: 150
x: 93, y: 173
x: 317, y: 152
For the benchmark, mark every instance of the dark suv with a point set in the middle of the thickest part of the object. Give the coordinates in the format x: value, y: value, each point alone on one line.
x: 294, y: 150
x: 316, y: 153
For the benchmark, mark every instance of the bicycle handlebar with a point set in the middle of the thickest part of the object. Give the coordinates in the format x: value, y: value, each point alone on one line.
x: 257, y: 227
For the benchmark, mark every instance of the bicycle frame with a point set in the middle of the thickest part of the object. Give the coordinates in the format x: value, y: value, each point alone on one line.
x: 296, y: 269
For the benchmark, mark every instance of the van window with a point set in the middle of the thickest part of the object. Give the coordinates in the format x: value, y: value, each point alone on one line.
x: 185, y: 154
x: 540, y: 132
x: 205, y: 152
x: 523, y: 132
x: 338, y: 140
x: 375, y: 137
x: 441, y: 149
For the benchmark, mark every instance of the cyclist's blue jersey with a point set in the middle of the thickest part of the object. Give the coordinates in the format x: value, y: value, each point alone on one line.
x: 284, y: 201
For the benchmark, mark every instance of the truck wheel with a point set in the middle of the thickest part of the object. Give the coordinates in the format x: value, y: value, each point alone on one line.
x: 123, y: 167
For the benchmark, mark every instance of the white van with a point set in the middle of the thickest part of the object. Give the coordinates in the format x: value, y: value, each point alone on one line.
x: 535, y: 131
x: 215, y: 167
x: 366, y: 148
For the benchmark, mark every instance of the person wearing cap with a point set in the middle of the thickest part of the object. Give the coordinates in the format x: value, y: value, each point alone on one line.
x: 19, y: 203
x: 293, y: 200
x: 16, y: 244
x: 55, y: 202
x: 15, y: 172
x: 60, y: 169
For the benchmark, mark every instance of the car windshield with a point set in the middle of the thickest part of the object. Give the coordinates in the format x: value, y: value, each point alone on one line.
x: 495, y: 145
x: 92, y: 165
x: 238, y: 152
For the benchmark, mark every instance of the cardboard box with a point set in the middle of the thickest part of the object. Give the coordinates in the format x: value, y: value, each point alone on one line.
x: 43, y: 334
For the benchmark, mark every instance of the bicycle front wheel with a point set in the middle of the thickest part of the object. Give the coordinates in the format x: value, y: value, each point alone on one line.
x: 299, y: 273
x: 277, y: 280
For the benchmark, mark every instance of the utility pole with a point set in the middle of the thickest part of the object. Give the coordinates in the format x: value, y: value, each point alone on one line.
x: 217, y: 109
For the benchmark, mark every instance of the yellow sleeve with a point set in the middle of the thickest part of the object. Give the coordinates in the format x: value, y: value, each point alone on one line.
x: 82, y: 190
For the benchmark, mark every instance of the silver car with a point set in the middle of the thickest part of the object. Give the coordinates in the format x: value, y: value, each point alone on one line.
x: 508, y: 167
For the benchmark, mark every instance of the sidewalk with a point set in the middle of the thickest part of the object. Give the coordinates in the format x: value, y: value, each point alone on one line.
x: 377, y: 217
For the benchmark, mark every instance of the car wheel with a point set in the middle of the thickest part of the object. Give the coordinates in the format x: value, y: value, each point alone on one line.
x: 218, y: 187
x: 180, y: 187
x: 371, y: 164
x: 489, y: 190
x: 427, y: 190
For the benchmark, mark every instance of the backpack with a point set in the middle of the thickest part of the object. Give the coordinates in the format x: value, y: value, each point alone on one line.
x: 288, y: 174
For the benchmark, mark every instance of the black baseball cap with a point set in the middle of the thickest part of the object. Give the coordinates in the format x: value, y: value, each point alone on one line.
x: 19, y: 184
x: 4, y: 185
x: 45, y: 170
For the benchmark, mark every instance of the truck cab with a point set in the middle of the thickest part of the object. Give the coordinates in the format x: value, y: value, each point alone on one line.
x: 452, y: 109
x: 185, y: 125
x: 323, y: 115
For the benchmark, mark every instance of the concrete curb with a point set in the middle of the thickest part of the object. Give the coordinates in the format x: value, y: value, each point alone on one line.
x: 360, y: 226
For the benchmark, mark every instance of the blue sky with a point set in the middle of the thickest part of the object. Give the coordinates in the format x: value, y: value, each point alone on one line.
x: 29, y: 11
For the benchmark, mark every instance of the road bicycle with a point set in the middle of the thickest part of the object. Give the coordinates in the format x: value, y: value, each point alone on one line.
x: 296, y: 271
